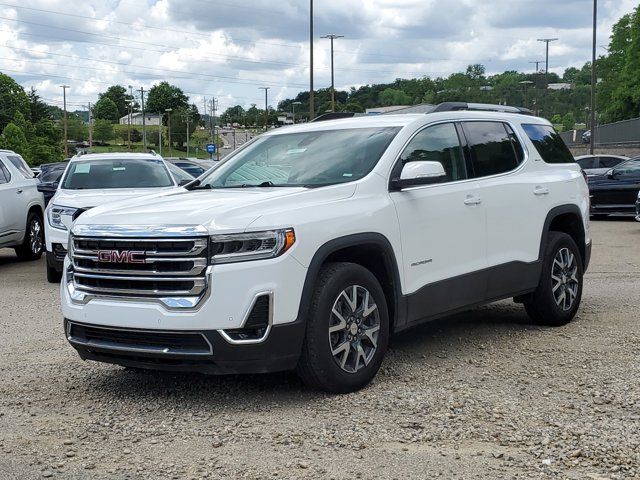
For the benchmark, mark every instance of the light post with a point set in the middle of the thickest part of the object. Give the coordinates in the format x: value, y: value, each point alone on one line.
x: 130, y: 103
x: 312, y: 108
x: 525, y: 84
x: 293, y: 106
x: 266, y: 106
x: 169, y: 110
x: 594, y: 80
x: 332, y: 37
x: 546, y: 68
x: 64, y: 100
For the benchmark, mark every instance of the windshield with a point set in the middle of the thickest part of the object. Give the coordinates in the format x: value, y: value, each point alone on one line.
x: 310, y: 159
x: 117, y: 173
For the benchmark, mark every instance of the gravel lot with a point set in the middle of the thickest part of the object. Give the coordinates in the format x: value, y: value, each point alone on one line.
x: 479, y: 395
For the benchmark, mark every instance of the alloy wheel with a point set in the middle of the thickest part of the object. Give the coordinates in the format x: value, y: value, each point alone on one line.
x: 35, y: 236
x: 354, y: 328
x: 564, y: 278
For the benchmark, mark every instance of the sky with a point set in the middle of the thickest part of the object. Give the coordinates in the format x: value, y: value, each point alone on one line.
x: 228, y: 49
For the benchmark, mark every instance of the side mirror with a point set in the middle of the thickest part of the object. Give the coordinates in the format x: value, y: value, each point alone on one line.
x: 611, y: 173
x: 415, y: 174
x: 48, y: 187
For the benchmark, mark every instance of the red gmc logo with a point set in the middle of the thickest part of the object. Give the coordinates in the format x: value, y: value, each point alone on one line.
x: 122, y: 256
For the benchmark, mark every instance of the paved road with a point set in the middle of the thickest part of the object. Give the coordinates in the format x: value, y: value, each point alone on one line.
x: 479, y: 395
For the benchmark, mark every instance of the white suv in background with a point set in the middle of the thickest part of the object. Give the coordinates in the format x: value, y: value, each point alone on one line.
x: 311, y: 245
x: 98, y: 179
x: 21, y: 208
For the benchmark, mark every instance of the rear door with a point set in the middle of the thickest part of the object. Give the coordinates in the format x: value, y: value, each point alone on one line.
x: 624, y: 186
x: 5, y: 205
x: 515, y: 213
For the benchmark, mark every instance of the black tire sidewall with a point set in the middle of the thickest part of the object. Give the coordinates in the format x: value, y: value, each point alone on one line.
x: 317, y: 339
x: 24, y: 251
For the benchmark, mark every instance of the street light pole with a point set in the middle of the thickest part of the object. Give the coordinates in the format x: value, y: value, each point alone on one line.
x: 312, y: 107
x: 293, y: 105
x: 168, y: 110
x: 546, y: 69
x: 594, y: 79
x: 332, y: 37
x: 266, y: 106
x: 130, y: 103
x: 144, y: 125
x: 64, y: 102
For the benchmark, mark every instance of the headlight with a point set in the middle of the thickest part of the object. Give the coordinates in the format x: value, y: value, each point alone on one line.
x: 61, y: 217
x: 241, y: 247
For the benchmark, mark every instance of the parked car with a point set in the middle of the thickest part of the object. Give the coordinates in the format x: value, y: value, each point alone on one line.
x: 638, y: 207
x: 615, y: 192
x: 98, y: 179
x: 49, y: 178
x: 21, y: 208
x: 586, y: 136
x: 192, y: 166
x: 313, y: 244
x: 599, y: 164
x: 182, y: 176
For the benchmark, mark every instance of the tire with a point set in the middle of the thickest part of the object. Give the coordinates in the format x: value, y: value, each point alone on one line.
x: 33, y: 243
x: 53, y: 275
x: 325, y: 366
x: 562, y: 273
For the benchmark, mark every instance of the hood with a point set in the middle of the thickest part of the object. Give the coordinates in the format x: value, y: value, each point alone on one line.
x: 218, y: 210
x: 96, y: 198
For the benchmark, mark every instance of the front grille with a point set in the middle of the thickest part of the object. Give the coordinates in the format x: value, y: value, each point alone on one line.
x: 146, y: 341
x: 172, y: 267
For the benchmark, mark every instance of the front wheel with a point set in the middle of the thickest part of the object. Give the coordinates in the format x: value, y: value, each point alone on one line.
x: 557, y: 298
x: 33, y: 243
x: 347, y: 330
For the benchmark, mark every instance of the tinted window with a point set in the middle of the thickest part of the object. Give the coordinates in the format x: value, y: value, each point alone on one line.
x: 549, y: 144
x: 179, y: 174
x: 439, y: 143
x: 586, y: 162
x: 492, y: 149
x: 3, y: 177
x: 609, y: 162
x: 20, y: 165
x: 117, y: 173
x: 517, y: 146
x: 313, y: 158
x: 52, y: 174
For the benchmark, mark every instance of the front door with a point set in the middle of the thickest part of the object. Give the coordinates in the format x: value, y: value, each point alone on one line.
x: 442, y: 228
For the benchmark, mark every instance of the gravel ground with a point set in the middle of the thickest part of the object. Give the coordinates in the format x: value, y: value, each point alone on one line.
x: 479, y: 395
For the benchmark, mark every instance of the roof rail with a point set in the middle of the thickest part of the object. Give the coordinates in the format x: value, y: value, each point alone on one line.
x: 333, y: 116
x: 483, y: 107
x: 153, y: 152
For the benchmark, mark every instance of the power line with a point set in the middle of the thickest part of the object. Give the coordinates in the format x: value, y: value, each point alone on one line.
x: 206, y: 35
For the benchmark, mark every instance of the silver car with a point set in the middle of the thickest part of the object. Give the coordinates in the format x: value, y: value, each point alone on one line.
x: 599, y: 164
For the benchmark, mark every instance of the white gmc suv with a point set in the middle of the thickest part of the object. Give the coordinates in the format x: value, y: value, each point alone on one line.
x: 308, y: 247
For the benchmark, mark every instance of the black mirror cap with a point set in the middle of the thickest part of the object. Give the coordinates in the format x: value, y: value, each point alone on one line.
x: 47, y: 187
x: 398, y: 184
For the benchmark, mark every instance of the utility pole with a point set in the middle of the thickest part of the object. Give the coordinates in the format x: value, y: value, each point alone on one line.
x: 293, y: 105
x: 160, y: 134
x: 64, y: 102
x: 537, y: 62
x: 594, y: 79
x: 213, y: 105
x: 144, y: 131
x: 90, y: 127
x: 234, y: 138
x: 130, y: 102
x: 332, y: 36
x: 188, y: 120
x: 169, y: 110
x: 546, y: 68
x: 312, y: 107
x: 266, y: 106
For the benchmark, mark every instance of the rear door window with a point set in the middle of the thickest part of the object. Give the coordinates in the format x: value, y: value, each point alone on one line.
x: 548, y: 143
x: 587, y: 162
x: 493, y: 148
x: 5, y: 176
x: 20, y: 165
x: 609, y: 162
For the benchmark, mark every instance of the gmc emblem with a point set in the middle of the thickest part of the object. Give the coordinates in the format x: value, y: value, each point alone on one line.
x: 122, y: 256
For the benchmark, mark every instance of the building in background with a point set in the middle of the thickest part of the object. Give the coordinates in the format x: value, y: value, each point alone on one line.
x: 136, y: 119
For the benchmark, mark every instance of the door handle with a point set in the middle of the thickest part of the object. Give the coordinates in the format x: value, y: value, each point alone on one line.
x: 541, y: 191
x: 19, y: 190
x: 471, y: 200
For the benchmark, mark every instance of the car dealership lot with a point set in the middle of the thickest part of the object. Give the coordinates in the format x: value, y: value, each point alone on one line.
x: 479, y: 395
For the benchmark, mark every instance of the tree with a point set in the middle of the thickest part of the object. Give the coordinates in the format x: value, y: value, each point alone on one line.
x: 13, y: 138
x: 391, y: 96
x: 106, y: 109
x: 38, y: 110
x: 12, y: 99
x: 163, y: 96
x: 103, y: 130
x: 76, y: 129
x: 119, y: 96
x: 569, y: 121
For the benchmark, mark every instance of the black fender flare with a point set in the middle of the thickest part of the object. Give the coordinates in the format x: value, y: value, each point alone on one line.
x: 552, y: 215
x: 332, y: 246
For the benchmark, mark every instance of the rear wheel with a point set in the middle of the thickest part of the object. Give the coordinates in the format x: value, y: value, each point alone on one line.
x: 557, y: 298
x: 347, y: 330
x: 33, y: 243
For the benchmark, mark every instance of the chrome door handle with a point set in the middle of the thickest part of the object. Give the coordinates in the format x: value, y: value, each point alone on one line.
x: 472, y: 201
x: 541, y: 191
x: 19, y: 190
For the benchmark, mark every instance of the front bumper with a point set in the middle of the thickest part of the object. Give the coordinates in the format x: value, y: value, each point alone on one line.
x: 280, y: 351
x: 55, y: 257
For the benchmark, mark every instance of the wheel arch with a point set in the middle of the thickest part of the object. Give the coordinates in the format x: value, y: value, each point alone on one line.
x: 370, y: 250
x: 567, y: 219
